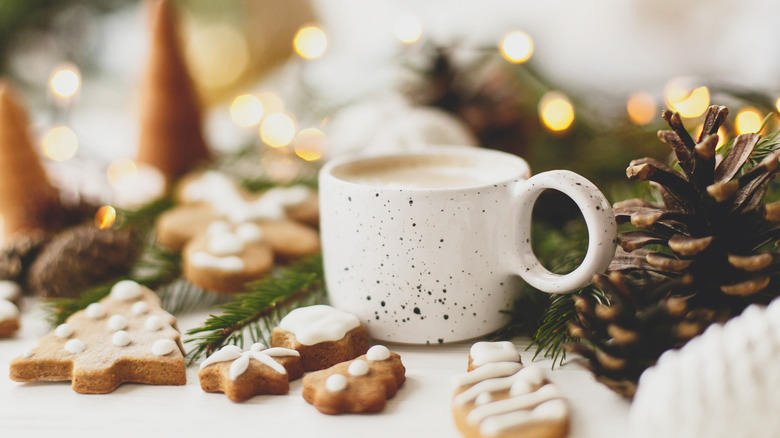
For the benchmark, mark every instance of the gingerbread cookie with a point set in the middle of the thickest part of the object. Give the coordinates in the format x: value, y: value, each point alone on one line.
x: 322, y: 334
x: 361, y: 385
x: 227, y: 257
x: 501, y: 398
x: 242, y: 375
x: 10, y: 295
x: 483, y: 353
x: 125, y: 337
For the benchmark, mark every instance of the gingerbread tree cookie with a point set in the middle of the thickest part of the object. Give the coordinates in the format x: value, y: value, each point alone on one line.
x: 502, y: 398
x: 125, y: 337
x: 242, y: 375
x: 170, y: 135
x: 361, y: 385
x: 322, y: 334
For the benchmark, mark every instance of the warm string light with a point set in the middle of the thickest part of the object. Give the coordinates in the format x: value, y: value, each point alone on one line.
x: 246, y: 110
x: 310, y: 144
x: 65, y: 81
x: 748, y: 120
x: 60, y: 143
x: 777, y: 104
x: 408, y: 29
x: 277, y: 130
x: 120, y: 170
x: 310, y: 42
x: 105, y: 217
x: 721, y: 136
x: 219, y: 54
x: 688, y: 102
x: 517, y: 47
x: 641, y: 108
x: 555, y: 111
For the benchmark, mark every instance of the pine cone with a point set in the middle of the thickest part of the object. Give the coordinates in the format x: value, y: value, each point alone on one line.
x: 19, y: 253
x: 81, y: 257
x: 642, y: 320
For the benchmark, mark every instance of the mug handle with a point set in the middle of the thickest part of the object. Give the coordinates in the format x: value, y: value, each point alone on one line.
x: 599, y: 219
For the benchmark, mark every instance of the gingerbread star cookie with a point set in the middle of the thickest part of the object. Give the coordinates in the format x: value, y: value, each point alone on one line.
x: 242, y: 375
x: 125, y: 337
x: 323, y: 335
x: 361, y: 385
x: 502, y: 398
x: 10, y: 294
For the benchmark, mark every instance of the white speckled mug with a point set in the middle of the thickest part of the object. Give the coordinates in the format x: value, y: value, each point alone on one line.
x: 427, y: 247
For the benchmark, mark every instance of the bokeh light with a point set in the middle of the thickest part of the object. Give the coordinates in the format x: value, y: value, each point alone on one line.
x: 688, y: 102
x: 408, y: 29
x: 310, y: 144
x: 641, y: 108
x: 310, y: 42
x: 271, y: 102
x: 721, y: 136
x: 777, y: 104
x: 246, y: 110
x: 121, y: 169
x: 65, y: 81
x: 555, y: 111
x: 748, y: 120
x: 517, y: 47
x: 277, y: 130
x: 219, y: 55
x: 105, y: 217
x: 60, y: 143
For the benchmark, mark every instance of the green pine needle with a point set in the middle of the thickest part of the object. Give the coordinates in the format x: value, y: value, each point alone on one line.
x: 255, y: 313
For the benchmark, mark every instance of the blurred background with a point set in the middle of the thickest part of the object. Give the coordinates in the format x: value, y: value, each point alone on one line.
x: 566, y: 84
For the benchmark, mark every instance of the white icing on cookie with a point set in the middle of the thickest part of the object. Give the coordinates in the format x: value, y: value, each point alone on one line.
x: 162, y: 347
x: 336, y: 383
x: 225, y: 244
x: 263, y: 357
x: 203, y: 259
x: 126, y: 290
x: 238, y: 366
x: 241, y: 358
x: 75, y: 346
x: 218, y: 227
x: 320, y: 323
x: 378, y: 352
x: 153, y: 323
x: 224, y: 354
x: 529, y: 375
x: 117, y: 322
x: 358, y: 368
x: 28, y: 354
x: 483, y: 398
x: 210, y: 187
x: 120, y: 338
x: 490, y: 352
x: 488, y: 371
x: 8, y: 310
x: 280, y: 352
x: 249, y: 232
x: 257, y: 346
x: 521, y: 402
x: 9, y: 290
x: 95, y: 311
x: 63, y: 331
x: 553, y: 410
x: 287, y: 196
x: 139, y: 308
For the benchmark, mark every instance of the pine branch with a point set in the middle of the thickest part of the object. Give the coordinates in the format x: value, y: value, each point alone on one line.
x: 256, y: 312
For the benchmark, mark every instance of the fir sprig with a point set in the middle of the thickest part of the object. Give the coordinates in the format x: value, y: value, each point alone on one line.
x: 256, y: 312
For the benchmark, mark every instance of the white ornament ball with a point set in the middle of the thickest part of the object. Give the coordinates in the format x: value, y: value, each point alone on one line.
x: 724, y: 383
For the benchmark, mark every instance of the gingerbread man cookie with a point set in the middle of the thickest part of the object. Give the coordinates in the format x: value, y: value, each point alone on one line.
x: 502, y: 398
x: 322, y: 334
x: 242, y: 375
x: 10, y: 294
x: 361, y: 385
x: 125, y: 337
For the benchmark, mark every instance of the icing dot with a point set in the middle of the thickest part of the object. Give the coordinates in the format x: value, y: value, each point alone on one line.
x: 9, y: 290
x: 139, y: 308
x: 75, y: 346
x: 28, y: 354
x: 358, y: 368
x: 117, y: 322
x: 126, y: 290
x: 153, y: 323
x: 8, y: 310
x: 120, y: 338
x: 63, y: 331
x: 95, y: 311
x: 162, y: 347
x: 249, y: 232
x: 202, y: 259
x: 218, y: 227
x: 378, y: 352
x: 336, y: 383
x: 225, y: 244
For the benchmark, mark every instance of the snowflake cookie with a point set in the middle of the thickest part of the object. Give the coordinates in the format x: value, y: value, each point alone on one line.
x: 125, y: 337
x: 360, y: 385
x: 322, y: 334
x: 242, y: 375
x: 499, y: 397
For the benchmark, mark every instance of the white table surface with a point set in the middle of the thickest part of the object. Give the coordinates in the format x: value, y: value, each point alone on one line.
x: 420, y: 409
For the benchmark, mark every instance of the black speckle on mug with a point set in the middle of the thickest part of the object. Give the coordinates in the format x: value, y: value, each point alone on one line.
x: 446, y: 317
x: 441, y: 340
x: 417, y: 310
x: 368, y: 298
x: 382, y: 303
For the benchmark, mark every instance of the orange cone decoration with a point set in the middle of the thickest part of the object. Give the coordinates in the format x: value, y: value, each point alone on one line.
x: 27, y: 199
x: 170, y: 137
